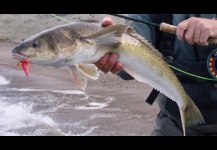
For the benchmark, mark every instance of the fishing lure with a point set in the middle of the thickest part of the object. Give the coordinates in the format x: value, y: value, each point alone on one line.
x: 25, y: 65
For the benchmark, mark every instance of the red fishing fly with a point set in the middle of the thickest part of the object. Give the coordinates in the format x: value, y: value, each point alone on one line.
x: 25, y: 65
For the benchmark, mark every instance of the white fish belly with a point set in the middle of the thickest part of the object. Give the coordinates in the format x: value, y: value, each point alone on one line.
x: 156, y: 76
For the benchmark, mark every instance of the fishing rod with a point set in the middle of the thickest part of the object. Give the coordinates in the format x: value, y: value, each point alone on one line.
x: 211, y: 61
x: 137, y: 20
x: 164, y: 27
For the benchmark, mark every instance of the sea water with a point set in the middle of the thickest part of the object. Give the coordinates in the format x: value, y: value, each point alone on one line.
x: 38, y: 112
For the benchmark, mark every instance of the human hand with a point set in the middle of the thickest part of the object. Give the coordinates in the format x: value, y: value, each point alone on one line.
x: 109, y: 62
x: 197, y: 30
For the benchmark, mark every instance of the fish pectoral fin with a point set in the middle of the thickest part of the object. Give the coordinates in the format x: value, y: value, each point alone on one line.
x: 79, y: 78
x: 110, y: 35
x: 89, y: 70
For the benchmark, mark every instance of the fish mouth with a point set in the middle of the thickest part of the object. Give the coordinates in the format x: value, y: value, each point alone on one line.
x: 19, y: 56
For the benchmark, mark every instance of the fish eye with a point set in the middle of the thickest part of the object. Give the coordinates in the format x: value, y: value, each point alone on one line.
x: 34, y: 44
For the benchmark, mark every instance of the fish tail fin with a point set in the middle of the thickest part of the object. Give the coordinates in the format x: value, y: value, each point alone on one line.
x: 191, y: 115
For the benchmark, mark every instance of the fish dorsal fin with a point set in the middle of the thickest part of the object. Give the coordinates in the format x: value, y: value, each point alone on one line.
x: 79, y: 78
x: 90, y: 70
x: 130, y: 31
x: 109, y: 37
x: 117, y: 29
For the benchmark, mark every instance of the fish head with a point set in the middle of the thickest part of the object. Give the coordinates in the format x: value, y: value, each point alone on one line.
x: 69, y: 45
x: 46, y: 47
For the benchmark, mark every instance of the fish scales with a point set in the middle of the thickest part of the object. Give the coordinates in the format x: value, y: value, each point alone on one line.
x: 79, y: 45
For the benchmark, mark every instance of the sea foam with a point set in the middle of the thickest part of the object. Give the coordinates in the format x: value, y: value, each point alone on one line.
x: 4, y: 81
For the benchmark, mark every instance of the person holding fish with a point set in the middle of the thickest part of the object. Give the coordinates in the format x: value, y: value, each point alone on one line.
x: 187, y: 104
x: 188, y: 51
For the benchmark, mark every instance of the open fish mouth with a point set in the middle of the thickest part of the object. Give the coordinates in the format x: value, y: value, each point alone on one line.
x: 19, y: 56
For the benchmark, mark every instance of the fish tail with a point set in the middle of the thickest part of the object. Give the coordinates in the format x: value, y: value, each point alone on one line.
x: 191, y: 115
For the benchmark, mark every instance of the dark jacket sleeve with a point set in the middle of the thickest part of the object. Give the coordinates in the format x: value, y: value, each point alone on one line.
x: 146, y: 31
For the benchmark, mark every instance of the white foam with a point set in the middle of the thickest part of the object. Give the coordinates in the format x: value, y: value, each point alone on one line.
x: 18, y: 116
x: 110, y: 98
x: 70, y: 92
x: 4, y: 81
x: 102, y: 116
x: 92, y: 106
x: 75, y: 92
x: 19, y: 119
x: 98, y: 104
x: 95, y: 105
x: 89, y: 131
x: 28, y: 90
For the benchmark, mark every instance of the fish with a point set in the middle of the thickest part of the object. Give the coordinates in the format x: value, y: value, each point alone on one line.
x: 78, y: 45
